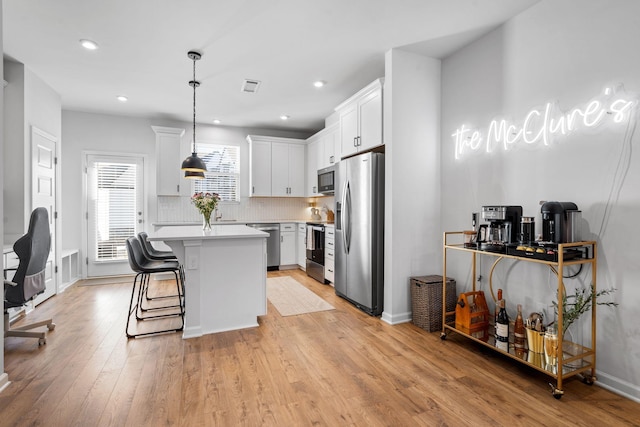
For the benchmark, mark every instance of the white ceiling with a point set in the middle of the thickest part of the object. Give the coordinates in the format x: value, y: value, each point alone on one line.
x: 286, y: 44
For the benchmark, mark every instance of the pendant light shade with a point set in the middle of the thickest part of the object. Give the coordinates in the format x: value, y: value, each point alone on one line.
x: 193, y: 165
x: 193, y: 175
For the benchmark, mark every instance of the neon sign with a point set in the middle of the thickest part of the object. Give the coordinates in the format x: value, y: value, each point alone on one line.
x: 545, y: 124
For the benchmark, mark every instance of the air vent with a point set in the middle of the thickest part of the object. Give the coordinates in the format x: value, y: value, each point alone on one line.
x: 250, y: 86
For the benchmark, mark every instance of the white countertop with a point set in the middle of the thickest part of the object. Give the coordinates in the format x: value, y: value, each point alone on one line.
x: 226, y: 222
x: 195, y: 232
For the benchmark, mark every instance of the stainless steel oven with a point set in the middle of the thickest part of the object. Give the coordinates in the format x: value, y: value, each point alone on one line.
x: 315, y: 251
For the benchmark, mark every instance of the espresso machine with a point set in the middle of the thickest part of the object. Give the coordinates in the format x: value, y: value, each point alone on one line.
x: 502, y: 228
x: 561, y: 222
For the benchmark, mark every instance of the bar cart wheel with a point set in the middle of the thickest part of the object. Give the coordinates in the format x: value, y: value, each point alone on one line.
x: 557, y: 393
x: 588, y: 379
x: 443, y: 336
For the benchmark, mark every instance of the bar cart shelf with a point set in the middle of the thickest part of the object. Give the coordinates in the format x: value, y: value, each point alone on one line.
x: 576, y: 359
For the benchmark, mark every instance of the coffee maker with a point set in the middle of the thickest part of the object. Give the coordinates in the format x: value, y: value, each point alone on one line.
x: 502, y: 229
x: 561, y: 222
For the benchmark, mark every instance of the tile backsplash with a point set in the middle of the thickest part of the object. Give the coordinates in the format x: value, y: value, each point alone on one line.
x: 180, y: 209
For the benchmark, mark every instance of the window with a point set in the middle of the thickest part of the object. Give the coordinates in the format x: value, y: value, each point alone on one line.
x: 223, y: 171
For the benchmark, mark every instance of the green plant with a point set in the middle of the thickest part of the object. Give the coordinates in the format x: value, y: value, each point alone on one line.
x: 573, y: 306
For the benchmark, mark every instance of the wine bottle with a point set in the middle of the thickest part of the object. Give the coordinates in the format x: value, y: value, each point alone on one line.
x: 502, y: 325
x: 518, y: 329
x: 495, y: 317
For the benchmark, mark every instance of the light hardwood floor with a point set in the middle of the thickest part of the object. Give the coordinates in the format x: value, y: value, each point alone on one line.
x: 330, y: 368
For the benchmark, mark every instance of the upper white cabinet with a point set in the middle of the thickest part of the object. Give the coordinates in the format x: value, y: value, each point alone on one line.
x: 313, y: 164
x: 323, y: 150
x: 331, y: 146
x: 169, y: 156
x: 277, y: 166
x: 361, y: 120
x: 260, y: 166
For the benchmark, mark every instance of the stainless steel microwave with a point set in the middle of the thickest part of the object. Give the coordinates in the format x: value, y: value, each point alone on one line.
x: 327, y: 180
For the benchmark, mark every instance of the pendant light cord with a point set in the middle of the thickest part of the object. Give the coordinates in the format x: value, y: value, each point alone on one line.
x: 195, y: 83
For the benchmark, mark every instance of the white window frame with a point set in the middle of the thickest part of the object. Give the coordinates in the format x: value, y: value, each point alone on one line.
x: 204, y: 148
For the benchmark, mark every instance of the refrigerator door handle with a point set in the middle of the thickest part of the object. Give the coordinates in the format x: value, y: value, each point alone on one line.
x: 347, y: 217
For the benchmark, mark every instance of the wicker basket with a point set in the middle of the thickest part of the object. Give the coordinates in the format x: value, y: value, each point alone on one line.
x: 426, y: 301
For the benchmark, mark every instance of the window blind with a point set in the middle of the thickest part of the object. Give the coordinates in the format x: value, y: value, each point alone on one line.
x: 223, y: 171
x: 115, y: 209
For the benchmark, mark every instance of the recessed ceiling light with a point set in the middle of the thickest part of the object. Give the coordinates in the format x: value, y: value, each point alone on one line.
x: 122, y: 98
x: 284, y: 117
x: 88, y: 44
x: 319, y: 83
x: 216, y: 121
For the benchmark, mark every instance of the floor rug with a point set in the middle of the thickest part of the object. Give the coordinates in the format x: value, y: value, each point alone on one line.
x: 291, y: 298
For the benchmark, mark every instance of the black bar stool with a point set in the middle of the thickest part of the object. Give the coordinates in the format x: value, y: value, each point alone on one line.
x: 152, y: 253
x: 144, y: 268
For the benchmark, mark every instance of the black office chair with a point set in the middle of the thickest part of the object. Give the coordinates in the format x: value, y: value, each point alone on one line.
x: 144, y: 268
x: 29, y: 279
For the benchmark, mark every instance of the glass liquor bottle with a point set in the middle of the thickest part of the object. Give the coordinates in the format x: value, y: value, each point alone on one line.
x: 518, y: 330
x: 495, y: 317
x: 502, y: 328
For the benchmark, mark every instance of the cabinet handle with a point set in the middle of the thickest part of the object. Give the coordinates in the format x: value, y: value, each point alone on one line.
x: 359, y: 141
x: 178, y: 188
x: 314, y: 190
x: 253, y: 190
x: 332, y: 159
x: 355, y: 141
x: 281, y: 239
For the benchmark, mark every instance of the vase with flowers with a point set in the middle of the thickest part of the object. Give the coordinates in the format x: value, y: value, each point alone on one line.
x: 205, y: 203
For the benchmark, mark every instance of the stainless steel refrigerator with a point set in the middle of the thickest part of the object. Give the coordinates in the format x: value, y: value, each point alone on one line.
x: 359, y: 228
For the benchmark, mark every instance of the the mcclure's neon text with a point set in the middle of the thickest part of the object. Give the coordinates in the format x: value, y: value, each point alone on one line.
x: 542, y: 125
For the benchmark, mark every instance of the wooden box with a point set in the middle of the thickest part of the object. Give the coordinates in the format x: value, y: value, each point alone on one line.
x: 472, y: 314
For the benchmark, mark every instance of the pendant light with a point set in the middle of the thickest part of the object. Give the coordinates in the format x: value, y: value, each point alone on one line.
x: 193, y: 163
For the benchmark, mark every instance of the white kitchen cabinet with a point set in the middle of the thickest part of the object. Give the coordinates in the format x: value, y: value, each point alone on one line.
x: 331, y: 147
x: 169, y: 156
x: 259, y: 167
x: 329, y: 253
x: 313, y: 162
x: 288, y: 244
x: 301, y: 246
x: 361, y: 120
x: 287, y: 169
x: 276, y: 166
x: 323, y: 150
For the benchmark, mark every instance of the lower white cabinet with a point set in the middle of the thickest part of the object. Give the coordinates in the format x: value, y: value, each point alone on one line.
x: 288, y: 244
x: 329, y: 253
x: 301, y: 248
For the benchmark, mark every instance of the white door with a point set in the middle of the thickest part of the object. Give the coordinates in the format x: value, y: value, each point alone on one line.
x: 43, y: 193
x: 114, y: 211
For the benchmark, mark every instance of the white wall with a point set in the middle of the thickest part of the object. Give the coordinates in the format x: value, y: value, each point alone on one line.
x: 84, y: 132
x: 565, y: 51
x: 4, y: 379
x: 30, y: 103
x: 412, y: 177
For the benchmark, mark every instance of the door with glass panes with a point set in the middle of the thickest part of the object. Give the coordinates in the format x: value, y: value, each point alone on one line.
x: 114, y: 211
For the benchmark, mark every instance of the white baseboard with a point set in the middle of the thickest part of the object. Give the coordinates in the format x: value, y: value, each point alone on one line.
x: 618, y: 386
x: 4, y: 381
x: 395, y: 319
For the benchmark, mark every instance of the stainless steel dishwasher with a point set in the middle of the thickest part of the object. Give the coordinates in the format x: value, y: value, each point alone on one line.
x: 273, y: 243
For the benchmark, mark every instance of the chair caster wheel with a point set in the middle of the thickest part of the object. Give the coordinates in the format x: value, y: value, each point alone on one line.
x: 51, y: 326
x: 42, y: 341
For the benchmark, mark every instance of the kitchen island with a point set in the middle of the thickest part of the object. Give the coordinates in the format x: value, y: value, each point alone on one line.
x: 225, y: 275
